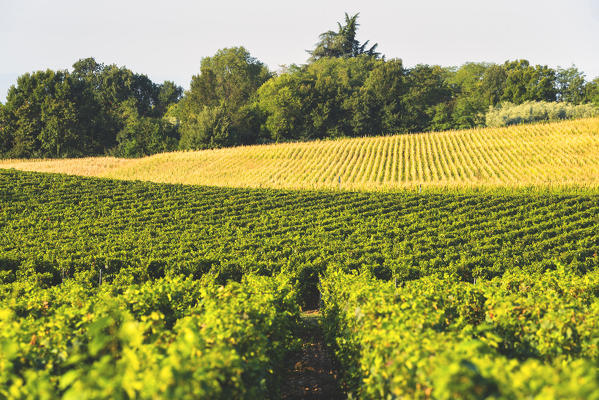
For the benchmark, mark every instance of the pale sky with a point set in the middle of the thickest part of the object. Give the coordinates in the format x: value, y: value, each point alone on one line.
x: 166, y: 40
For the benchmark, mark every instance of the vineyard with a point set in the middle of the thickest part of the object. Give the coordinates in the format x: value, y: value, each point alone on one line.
x: 116, y: 289
x: 516, y: 336
x: 550, y: 155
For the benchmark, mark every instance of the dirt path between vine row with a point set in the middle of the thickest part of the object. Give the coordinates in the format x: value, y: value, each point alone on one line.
x: 311, y: 374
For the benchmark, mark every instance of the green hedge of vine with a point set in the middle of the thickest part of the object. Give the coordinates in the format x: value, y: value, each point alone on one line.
x: 53, y: 227
x: 112, y: 289
x: 516, y: 336
x: 170, y: 338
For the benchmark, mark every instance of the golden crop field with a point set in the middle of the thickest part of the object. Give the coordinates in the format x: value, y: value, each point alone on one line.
x: 549, y: 155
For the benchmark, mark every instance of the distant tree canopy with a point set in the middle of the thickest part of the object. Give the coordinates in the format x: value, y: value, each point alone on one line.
x: 217, y: 110
x: 342, y: 43
x: 591, y: 91
x: 50, y: 114
x: 345, y: 89
x: 95, y: 109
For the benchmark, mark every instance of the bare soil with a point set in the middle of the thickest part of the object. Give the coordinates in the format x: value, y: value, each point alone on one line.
x: 311, y: 373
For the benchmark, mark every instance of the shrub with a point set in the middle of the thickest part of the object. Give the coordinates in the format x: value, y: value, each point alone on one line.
x: 507, y: 113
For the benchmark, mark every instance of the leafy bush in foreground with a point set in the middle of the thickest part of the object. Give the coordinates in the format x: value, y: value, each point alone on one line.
x: 518, y: 336
x: 78, y: 342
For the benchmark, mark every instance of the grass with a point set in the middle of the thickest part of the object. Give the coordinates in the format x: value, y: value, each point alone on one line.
x: 553, y: 155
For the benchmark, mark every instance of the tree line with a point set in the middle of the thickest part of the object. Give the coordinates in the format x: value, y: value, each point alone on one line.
x: 345, y: 89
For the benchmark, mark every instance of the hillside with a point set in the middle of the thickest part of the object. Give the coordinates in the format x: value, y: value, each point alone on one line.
x: 144, y: 290
x: 555, y: 154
